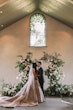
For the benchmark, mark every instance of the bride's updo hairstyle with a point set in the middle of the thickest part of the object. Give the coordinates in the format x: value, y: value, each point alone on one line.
x: 34, y: 65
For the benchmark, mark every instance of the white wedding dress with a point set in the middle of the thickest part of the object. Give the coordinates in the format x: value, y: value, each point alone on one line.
x: 30, y: 95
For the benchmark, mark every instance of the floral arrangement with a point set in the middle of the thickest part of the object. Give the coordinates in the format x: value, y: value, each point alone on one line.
x: 67, y: 90
x: 23, y: 65
x: 8, y: 89
x: 22, y: 62
x: 54, y: 73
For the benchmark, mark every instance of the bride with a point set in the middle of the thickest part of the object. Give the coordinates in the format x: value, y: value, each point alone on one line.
x: 30, y: 95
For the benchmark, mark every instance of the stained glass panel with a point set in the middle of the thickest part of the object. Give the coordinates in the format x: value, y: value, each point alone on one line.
x: 37, y: 30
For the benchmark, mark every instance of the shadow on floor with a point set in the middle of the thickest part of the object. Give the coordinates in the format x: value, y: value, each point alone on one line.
x: 49, y: 104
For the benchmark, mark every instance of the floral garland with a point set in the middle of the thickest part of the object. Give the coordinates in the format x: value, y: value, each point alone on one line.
x: 23, y: 64
x: 53, y: 72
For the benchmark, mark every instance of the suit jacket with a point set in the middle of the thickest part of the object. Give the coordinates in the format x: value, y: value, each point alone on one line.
x: 40, y: 73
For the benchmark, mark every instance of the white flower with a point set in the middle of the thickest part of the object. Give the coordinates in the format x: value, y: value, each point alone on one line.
x: 17, y: 77
x: 5, y: 89
x: 51, y: 60
x: 21, y: 60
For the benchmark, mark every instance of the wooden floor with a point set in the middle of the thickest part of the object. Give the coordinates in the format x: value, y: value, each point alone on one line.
x: 49, y: 104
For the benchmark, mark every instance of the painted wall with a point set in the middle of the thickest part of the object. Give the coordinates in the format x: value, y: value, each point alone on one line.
x: 14, y: 40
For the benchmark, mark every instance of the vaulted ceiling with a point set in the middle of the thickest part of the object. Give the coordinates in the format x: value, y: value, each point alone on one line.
x: 13, y: 10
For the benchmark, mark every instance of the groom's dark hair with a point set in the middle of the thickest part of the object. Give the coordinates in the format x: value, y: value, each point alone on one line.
x: 40, y: 62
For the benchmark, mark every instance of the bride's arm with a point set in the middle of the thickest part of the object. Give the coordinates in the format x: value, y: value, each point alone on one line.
x: 34, y: 73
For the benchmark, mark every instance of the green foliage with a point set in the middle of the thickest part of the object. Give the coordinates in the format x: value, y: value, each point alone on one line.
x: 19, y: 86
x: 53, y: 90
x: 21, y: 63
x: 8, y: 89
x: 54, y: 58
x: 53, y: 72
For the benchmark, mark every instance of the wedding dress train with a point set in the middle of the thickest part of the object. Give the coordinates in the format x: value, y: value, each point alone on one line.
x: 30, y: 95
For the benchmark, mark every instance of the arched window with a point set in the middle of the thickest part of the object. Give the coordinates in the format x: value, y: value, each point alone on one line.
x: 37, y: 30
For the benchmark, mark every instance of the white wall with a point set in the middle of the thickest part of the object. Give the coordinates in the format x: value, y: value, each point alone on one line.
x: 14, y: 40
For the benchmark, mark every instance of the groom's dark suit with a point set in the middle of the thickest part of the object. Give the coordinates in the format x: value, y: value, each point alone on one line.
x: 40, y: 77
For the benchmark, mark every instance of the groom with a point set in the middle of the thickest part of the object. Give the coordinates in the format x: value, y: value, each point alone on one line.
x: 40, y: 75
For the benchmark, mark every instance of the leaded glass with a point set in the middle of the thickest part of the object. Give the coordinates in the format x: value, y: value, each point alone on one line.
x: 37, y: 30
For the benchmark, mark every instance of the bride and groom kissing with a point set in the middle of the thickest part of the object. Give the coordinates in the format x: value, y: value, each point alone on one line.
x: 32, y: 93
x: 40, y: 74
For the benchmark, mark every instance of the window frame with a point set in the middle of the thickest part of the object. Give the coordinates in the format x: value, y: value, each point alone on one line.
x: 44, y: 18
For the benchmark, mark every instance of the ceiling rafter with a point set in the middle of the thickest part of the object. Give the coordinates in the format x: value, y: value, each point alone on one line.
x: 12, y: 11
